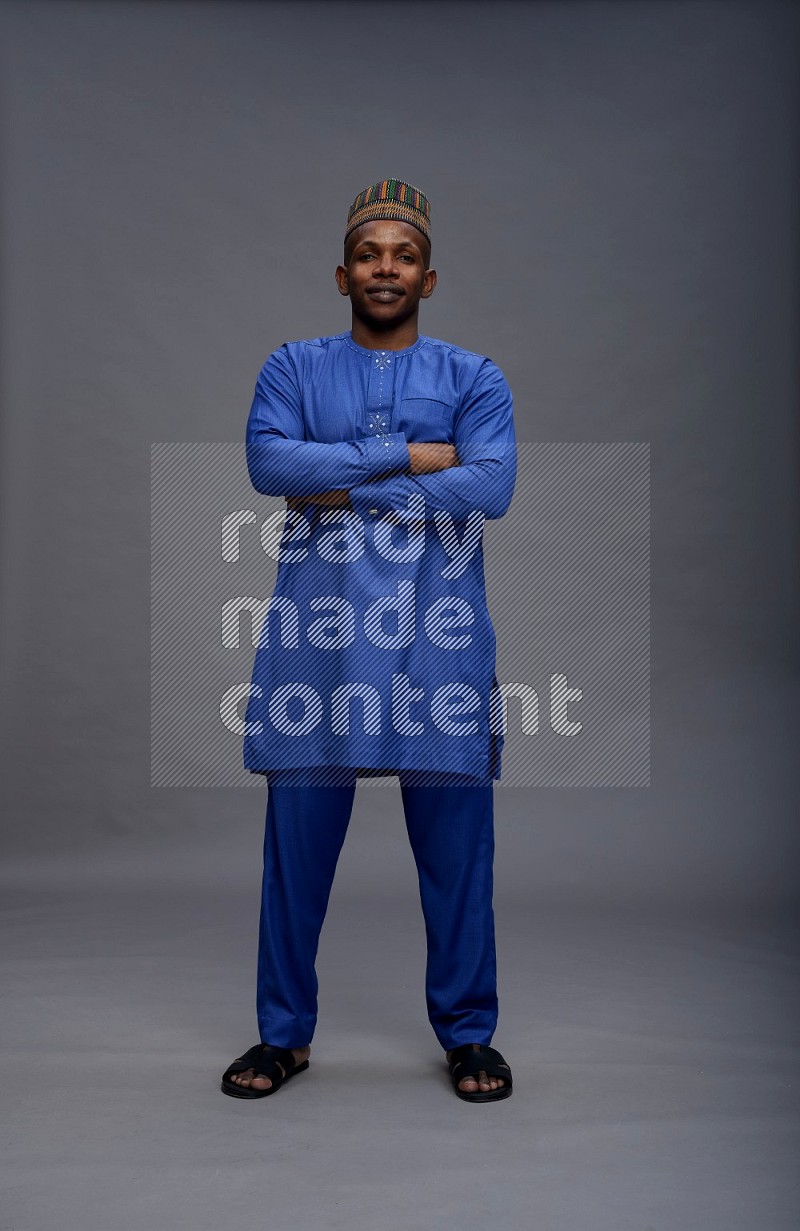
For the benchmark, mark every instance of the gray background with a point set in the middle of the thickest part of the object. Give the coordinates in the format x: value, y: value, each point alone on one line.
x: 613, y: 190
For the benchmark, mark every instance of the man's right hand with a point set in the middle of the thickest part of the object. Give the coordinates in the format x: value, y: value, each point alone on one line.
x: 427, y: 458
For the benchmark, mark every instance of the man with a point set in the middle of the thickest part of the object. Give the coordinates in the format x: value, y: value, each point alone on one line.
x: 390, y: 448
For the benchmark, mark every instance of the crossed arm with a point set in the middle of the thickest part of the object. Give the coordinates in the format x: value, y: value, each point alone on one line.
x: 476, y: 472
x: 425, y: 459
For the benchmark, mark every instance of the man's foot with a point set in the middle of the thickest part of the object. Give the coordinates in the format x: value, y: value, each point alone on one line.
x: 248, y: 1077
x: 482, y: 1082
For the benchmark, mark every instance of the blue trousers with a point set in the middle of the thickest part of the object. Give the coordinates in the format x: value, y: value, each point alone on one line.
x: 450, y: 823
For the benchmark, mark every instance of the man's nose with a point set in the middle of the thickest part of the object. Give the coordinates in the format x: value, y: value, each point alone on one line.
x: 386, y: 265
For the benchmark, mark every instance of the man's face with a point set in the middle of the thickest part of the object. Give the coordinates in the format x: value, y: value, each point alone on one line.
x: 384, y: 273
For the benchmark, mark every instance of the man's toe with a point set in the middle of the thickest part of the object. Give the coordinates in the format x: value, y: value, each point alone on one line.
x: 482, y: 1082
x: 248, y: 1078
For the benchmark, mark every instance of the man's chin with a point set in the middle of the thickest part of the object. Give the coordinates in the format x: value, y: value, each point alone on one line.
x: 394, y: 315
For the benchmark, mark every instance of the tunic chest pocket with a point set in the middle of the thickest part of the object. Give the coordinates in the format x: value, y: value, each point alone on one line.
x: 426, y: 419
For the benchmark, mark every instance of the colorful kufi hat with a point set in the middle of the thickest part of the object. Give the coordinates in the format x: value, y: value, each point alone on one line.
x: 391, y: 199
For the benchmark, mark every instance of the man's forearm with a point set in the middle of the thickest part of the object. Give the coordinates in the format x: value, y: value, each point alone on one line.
x: 285, y: 466
x: 484, y: 486
x: 425, y: 458
x: 333, y: 496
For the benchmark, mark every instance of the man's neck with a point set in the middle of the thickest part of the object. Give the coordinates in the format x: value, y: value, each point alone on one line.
x: 384, y: 339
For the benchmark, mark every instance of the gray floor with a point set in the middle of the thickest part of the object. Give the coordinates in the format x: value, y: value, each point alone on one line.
x: 654, y: 1056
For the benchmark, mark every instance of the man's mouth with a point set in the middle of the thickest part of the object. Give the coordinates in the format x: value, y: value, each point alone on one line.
x: 384, y: 293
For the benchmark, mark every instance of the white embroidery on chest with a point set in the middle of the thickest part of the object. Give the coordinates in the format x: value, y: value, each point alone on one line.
x: 379, y: 419
x: 378, y: 422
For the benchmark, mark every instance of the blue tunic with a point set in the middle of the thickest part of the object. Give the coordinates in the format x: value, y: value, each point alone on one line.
x: 377, y: 651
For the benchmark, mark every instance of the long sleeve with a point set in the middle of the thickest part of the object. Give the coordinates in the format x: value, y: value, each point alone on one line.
x: 485, y: 441
x: 282, y: 463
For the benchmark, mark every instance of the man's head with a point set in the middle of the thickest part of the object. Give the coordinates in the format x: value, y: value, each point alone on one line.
x: 387, y: 253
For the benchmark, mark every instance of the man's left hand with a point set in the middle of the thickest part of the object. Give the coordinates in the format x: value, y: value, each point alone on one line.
x: 336, y: 496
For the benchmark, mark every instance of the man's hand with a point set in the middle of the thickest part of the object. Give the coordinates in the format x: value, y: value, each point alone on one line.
x: 337, y: 495
x: 427, y: 458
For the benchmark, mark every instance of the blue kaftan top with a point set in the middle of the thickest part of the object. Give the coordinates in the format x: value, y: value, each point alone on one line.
x: 377, y: 650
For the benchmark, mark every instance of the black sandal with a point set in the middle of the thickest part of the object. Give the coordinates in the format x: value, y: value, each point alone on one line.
x: 276, y: 1063
x: 466, y: 1062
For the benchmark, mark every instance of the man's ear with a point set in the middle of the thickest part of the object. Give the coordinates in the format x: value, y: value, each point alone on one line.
x: 429, y: 282
x: 342, y: 280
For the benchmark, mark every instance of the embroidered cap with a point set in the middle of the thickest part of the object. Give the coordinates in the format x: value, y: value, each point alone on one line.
x: 391, y: 199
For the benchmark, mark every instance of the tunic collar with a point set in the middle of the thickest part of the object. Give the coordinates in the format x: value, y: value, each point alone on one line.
x: 365, y: 350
